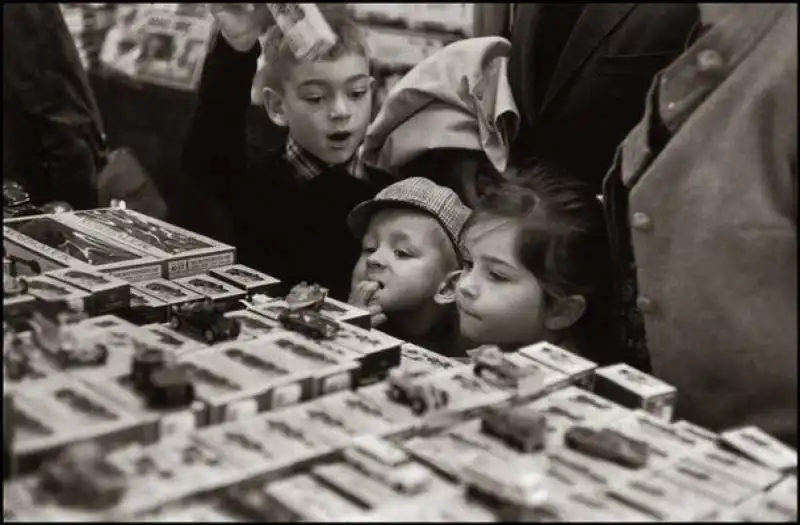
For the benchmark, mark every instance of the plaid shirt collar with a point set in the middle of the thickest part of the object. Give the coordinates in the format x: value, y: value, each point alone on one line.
x: 308, y: 167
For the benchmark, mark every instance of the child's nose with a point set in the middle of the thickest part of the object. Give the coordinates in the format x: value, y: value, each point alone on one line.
x: 340, y: 107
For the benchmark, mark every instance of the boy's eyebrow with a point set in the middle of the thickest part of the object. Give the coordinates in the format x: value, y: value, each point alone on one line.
x: 321, y: 82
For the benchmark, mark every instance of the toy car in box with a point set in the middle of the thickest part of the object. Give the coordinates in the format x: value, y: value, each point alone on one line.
x: 166, y: 291
x: 145, y: 309
x: 632, y: 388
x: 212, y: 288
x: 415, y: 357
x: 204, y: 318
x: 182, y: 253
x: 50, y: 290
x: 579, y: 370
x: 247, y: 279
x: 56, y: 244
x: 254, y: 325
x: 109, y: 294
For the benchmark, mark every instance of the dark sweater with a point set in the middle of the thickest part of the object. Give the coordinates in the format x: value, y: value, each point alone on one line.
x: 291, y: 229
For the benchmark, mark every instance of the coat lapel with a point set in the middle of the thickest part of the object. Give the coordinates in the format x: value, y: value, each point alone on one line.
x: 596, y: 22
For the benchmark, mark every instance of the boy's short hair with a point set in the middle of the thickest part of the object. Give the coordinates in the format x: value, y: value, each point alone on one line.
x: 279, y: 58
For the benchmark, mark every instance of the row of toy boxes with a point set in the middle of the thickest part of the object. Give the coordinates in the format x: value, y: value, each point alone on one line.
x: 692, y: 473
x: 266, y: 367
x: 114, y: 241
x: 271, y: 443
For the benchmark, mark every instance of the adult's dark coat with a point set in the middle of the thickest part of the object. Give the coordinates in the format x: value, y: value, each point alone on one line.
x: 581, y: 90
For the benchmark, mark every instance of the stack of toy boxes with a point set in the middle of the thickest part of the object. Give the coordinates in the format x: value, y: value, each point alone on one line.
x: 181, y: 253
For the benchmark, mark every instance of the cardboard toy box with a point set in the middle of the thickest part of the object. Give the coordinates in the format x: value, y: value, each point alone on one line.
x: 49, y: 290
x: 182, y: 253
x: 215, y: 289
x: 167, y: 291
x: 250, y: 280
x: 145, y: 309
x: 57, y: 244
x: 108, y: 293
x: 634, y: 389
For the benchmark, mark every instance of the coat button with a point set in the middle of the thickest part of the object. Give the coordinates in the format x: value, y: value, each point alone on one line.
x: 641, y: 221
x: 645, y: 304
x: 709, y: 61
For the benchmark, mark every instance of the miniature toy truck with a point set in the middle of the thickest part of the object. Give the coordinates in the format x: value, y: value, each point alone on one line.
x: 405, y: 387
x: 385, y: 462
x: 516, y: 494
x: 521, y: 427
x: 306, y: 296
x: 608, y: 444
x: 60, y: 342
x: 81, y: 477
x: 309, y: 323
x: 206, y: 318
x: 491, y: 364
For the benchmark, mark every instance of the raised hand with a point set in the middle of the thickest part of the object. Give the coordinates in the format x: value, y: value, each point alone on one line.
x: 361, y: 295
x: 241, y: 24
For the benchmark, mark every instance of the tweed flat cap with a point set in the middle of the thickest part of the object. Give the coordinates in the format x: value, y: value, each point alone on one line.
x: 415, y: 192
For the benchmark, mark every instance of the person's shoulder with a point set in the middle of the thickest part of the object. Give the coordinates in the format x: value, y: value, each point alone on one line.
x: 378, y: 178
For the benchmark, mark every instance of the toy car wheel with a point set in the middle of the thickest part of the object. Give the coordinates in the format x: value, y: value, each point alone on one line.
x: 395, y: 394
x: 175, y: 322
x: 418, y: 406
x: 209, y: 335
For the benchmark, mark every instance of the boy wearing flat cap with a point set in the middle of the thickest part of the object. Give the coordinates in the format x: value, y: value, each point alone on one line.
x: 409, y: 244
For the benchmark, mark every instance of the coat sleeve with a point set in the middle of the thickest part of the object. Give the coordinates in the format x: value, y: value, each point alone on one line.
x: 214, y: 151
x: 42, y: 73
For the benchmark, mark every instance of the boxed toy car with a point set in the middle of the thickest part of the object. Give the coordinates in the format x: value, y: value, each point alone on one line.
x: 331, y: 373
x: 761, y: 447
x: 702, y: 435
x: 742, y: 469
x: 596, y: 505
x: 345, y: 313
x: 166, y: 291
x: 50, y: 290
x: 75, y: 413
x: 634, y: 389
x: 579, y: 370
x: 56, y: 244
x: 666, y: 444
x: 279, y: 383
x: 301, y: 497
x: 247, y: 279
x: 694, y: 475
x: 226, y: 387
x: 253, y: 325
x: 346, y: 410
x: 18, y: 309
x: 109, y: 294
x: 415, y: 357
x: 145, y: 309
x: 176, y: 342
x: 214, y: 289
x: 158, y: 424
x: 665, y: 501
x: 182, y: 253
x: 581, y: 407
x: 355, y: 484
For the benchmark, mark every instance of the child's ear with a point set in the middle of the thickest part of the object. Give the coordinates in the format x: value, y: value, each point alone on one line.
x: 565, y: 312
x: 446, y: 294
x: 273, y: 103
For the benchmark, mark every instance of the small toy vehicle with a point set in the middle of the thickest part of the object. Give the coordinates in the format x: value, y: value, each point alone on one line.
x: 77, y: 352
x: 14, y: 194
x: 498, y: 482
x: 205, y: 317
x: 146, y: 360
x: 16, y: 363
x: 310, y: 323
x: 306, y: 295
x: 81, y: 477
x: 608, y: 444
x: 86, y: 277
x: 493, y: 365
x: 170, y: 387
x: 243, y: 274
x: 521, y: 427
x: 384, y: 462
x: 204, y: 284
x: 405, y: 387
x: 165, y: 290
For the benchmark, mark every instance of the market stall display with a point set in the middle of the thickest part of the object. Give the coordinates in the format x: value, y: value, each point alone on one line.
x: 271, y: 416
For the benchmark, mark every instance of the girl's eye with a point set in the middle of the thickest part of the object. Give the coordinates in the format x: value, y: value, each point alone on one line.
x: 314, y: 100
x: 403, y: 254
x: 356, y: 95
x: 494, y: 276
x: 367, y: 249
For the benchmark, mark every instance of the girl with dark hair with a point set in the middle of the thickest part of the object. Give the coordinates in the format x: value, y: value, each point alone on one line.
x: 537, y: 267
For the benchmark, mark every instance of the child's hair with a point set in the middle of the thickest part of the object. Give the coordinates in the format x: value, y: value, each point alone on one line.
x: 279, y: 58
x: 563, y: 241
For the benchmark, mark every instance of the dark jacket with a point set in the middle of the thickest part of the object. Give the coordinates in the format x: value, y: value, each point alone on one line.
x: 293, y: 230
x: 590, y: 90
x: 52, y: 134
